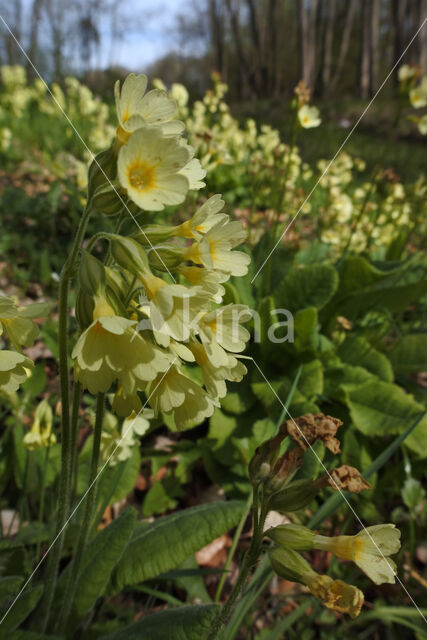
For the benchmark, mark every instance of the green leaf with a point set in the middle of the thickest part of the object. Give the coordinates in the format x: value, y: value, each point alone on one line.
x: 410, y: 354
x: 31, y: 635
x: 167, y: 543
x: 311, y: 286
x: 116, y: 481
x: 412, y: 493
x: 99, y: 560
x: 20, y: 609
x: 306, y: 337
x: 359, y: 352
x: 311, y: 381
x: 363, y: 286
x: 383, y: 409
x: 221, y: 426
x: 192, y: 622
x: 239, y: 398
x: 9, y: 585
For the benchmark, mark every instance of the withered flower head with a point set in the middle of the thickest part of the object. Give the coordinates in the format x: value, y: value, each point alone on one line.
x: 306, y: 429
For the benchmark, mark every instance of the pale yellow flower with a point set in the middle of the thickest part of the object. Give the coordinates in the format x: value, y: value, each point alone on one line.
x: 174, y: 309
x: 418, y: 95
x: 214, y: 250
x: 309, y: 116
x: 136, y: 109
x: 223, y: 327
x: 41, y: 434
x: 206, y: 217
x: 14, y: 370
x: 369, y: 549
x: 214, y: 376
x: 174, y: 392
x: 208, y: 279
x: 110, y: 349
x: 149, y: 168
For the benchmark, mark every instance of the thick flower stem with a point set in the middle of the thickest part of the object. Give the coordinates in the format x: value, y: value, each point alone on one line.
x: 89, y: 497
x: 66, y: 453
x: 74, y: 437
x: 249, y: 561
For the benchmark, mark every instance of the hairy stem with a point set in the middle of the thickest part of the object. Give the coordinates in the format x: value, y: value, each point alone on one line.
x: 249, y: 561
x: 90, y: 496
x: 66, y: 454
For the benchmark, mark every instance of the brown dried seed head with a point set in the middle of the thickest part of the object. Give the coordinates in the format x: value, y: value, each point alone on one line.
x: 348, y: 478
x: 306, y: 429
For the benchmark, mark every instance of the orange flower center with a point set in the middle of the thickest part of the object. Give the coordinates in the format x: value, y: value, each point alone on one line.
x: 141, y: 176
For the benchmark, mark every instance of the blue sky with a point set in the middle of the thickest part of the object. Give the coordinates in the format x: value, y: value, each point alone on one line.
x: 153, y: 39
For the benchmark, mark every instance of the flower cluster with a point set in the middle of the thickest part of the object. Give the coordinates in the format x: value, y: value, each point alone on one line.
x: 273, y: 469
x: 153, y: 318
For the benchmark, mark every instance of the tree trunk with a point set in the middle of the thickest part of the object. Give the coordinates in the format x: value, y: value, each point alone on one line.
x: 34, y: 35
x: 271, y: 43
x: 398, y: 8
x: 365, y: 57
x: 243, y: 65
x: 345, y: 43
x: 327, y: 52
x: 375, y: 41
x: 306, y: 18
x: 217, y: 35
x: 261, y: 71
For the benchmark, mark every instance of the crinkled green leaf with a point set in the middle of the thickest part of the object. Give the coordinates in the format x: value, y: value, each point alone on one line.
x: 166, y: 543
x: 410, y: 354
x: 359, y: 352
x: 310, y: 286
x: 383, y: 409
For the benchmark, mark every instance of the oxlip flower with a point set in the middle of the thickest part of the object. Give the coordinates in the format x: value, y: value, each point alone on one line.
x: 40, y: 434
x: 14, y: 369
x: 309, y: 116
x: 214, y: 250
x: 111, y: 349
x: 174, y: 392
x: 136, y: 108
x: 369, y: 550
x: 174, y: 309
